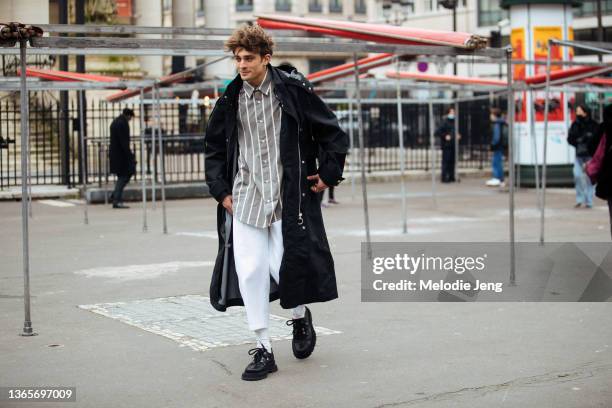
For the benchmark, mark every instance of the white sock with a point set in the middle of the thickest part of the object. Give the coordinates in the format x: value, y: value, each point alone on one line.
x: 263, y: 339
x: 298, y: 312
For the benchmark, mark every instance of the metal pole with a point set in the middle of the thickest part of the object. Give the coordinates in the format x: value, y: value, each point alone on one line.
x: 400, y: 132
x: 362, y: 158
x: 456, y: 169
x: 83, y: 160
x: 154, y: 129
x: 29, y: 177
x: 352, y: 148
x: 142, y: 164
x: 511, y: 108
x: 600, y: 104
x: 162, y: 161
x: 600, y: 31
x: 546, y: 109
x: 105, y: 153
x: 517, y: 149
x: 432, y: 154
x: 535, y: 149
x: 600, y: 35
x: 25, y: 130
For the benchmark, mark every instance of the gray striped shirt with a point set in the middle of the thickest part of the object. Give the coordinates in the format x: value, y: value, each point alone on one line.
x: 256, y: 192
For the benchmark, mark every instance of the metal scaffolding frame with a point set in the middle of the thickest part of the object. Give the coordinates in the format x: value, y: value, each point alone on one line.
x: 213, y: 47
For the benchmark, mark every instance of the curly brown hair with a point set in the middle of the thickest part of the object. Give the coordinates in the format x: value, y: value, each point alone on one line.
x: 252, y: 38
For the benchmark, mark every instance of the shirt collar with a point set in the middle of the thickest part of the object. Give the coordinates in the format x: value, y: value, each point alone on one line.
x: 264, y: 87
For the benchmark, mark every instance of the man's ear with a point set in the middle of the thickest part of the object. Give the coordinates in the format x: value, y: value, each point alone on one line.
x: 267, y: 58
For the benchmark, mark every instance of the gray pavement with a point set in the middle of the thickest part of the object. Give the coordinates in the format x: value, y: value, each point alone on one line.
x: 96, y: 290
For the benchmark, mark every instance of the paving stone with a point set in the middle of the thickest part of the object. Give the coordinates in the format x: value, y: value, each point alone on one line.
x: 192, y: 322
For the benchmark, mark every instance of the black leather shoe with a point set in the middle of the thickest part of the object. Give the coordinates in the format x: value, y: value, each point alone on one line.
x: 304, y: 335
x: 120, y: 205
x: 262, y: 364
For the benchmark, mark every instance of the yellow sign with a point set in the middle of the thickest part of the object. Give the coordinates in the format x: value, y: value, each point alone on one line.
x: 517, y: 39
x: 541, y: 35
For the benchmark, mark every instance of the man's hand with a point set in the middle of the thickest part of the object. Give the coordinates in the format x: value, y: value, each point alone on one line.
x: 447, y: 137
x: 319, y: 186
x: 227, y: 203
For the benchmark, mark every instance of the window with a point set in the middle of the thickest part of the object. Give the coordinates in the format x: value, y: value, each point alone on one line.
x: 200, y: 8
x: 360, y: 6
x: 589, y: 8
x: 490, y: 13
x: 167, y: 5
x: 282, y: 5
x: 244, y: 5
x: 314, y: 6
x: 431, y: 5
x: 335, y: 6
x: 590, y: 34
x: 315, y: 65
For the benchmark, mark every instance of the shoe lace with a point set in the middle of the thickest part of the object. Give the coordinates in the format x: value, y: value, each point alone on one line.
x: 299, y: 326
x: 257, y: 354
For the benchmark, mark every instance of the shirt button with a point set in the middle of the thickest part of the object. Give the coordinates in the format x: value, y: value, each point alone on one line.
x: 303, y: 162
x: 303, y: 194
x: 260, y: 121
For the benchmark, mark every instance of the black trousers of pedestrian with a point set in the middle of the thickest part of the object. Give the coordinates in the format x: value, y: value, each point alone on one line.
x: 122, y: 181
x: 448, y: 165
x: 329, y: 197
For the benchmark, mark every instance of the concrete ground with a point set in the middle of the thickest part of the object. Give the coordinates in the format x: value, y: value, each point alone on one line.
x: 387, y: 354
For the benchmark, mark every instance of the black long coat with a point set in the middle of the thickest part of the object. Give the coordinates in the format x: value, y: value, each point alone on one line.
x: 603, y: 189
x: 122, y: 161
x: 307, y: 269
x: 583, y: 136
x: 447, y: 127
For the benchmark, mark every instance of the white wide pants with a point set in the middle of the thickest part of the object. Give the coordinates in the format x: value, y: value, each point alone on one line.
x: 257, y: 255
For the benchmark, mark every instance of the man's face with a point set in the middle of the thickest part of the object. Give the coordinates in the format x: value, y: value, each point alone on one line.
x: 250, y: 66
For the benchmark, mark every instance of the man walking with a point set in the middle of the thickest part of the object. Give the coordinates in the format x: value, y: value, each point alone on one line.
x: 122, y: 159
x: 499, y: 145
x: 261, y: 147
x: 446, y: 133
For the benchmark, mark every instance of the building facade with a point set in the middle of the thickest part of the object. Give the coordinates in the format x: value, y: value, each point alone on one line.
x: 487, y: 18
x: 232, y: 13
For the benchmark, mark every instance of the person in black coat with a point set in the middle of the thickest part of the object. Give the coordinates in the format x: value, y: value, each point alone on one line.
x: 446, y: 133
x: 603, y: 188
x: 305, y: 271
x: 583, y: 136
x: 122, y: 159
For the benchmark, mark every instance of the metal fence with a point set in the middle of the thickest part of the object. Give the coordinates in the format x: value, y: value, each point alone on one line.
x: 55, y: 149
x: 55, y: 153
x: 381, y: 137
